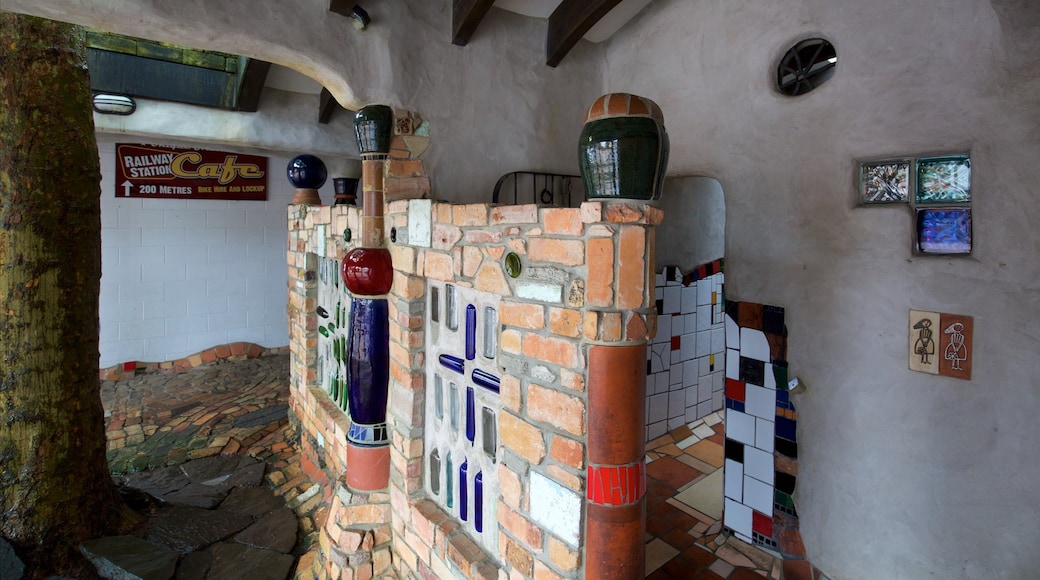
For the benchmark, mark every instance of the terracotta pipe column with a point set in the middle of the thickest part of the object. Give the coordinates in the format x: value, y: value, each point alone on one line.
x: 616, y: 490
x: 368, y: 274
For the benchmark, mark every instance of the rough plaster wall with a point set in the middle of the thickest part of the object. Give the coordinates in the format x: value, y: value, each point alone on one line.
x: 285, y: 122
x: 901, y: 474
x: 693, y: 230
x: 494, y: 106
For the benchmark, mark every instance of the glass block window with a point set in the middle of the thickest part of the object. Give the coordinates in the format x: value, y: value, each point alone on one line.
x: 938, y: 191
x: 462, y: 408
x: 333, y: 312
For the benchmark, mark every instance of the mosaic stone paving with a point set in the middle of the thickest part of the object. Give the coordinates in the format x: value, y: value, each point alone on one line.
x: 230, y: 407
x: 685, y: 538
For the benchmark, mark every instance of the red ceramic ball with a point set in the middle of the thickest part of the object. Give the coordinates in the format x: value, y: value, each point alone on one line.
x: 368, y: 271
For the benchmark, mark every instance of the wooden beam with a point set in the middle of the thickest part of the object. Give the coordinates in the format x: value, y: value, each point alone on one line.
x: 326, y: 106
x: 465, y: 17
x: 569, y: 22
x: 252, y: 84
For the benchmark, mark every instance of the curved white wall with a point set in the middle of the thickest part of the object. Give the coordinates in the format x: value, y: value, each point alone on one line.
x: 901, y: 474
x: 493, y: 105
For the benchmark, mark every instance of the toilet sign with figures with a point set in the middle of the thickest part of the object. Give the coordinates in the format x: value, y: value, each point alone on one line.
x: 940, y: 344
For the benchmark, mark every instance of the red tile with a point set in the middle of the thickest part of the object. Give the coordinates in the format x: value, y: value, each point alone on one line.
x: 676, y: 342
x: 797, y: 570
x: 672, y: 472
x: 678, y: 569
x: 678, y: 539
x: 744, y: 574
x: 680, y: 519
x: 697, y: 558
x: 735, y: 390
x: 657, y: 526
x: 762, y: 524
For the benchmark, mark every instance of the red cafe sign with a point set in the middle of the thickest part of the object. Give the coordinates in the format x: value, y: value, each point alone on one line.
x: 173, y: 173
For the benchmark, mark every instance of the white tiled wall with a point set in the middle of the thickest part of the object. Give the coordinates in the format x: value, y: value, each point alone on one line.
x: 686, y: 378
x: 180, y: 276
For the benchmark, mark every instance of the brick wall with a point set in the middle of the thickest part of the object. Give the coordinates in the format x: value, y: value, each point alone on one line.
x: 586, y: 279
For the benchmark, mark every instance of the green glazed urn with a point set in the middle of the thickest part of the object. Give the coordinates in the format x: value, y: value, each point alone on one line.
x: 623, y: 148
x: 373, y: 126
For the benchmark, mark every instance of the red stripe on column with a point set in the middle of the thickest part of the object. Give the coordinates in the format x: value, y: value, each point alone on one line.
x: 616, y: 485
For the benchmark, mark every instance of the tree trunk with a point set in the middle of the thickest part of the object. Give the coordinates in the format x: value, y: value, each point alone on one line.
x: 55, y: 487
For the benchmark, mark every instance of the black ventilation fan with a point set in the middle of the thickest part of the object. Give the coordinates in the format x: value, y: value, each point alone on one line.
x: 806, y: 66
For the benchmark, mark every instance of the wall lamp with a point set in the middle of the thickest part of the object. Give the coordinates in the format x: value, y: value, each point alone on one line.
x: 110, y: 104
x: 359, y: 17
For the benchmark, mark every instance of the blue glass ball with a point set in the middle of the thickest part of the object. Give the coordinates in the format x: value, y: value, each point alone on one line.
x: 306, y: 172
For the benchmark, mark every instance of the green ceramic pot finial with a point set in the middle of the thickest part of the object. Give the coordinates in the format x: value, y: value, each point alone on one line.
x: 623, y: 148
x: 373, y: 126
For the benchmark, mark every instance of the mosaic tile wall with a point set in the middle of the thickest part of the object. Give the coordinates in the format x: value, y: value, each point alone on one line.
x: 686, y: 359
x: 333, y: 314
x: 462, y: 409
x: 760, y: 425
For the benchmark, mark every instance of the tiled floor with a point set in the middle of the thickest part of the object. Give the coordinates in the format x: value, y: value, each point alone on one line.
x: 238, y: 406
x: 684, y: 511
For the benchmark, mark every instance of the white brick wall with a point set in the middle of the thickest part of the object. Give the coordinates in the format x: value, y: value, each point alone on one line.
x: 180, y: 276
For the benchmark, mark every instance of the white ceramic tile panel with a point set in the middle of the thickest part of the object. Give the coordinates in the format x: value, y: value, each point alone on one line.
x: 672, y: 299
x: 740, y: 427
x: 734, y: 480
x: 737, y: 517
x: 419, y: 226
x: 703, y: 431
x: 758, y: 464
x: 732, y: 334
x: 732, y: 364
x: 658, y: 408
x: 664, y: 329
x: 689, y: 299
x: 753, y: 344
x: 659, y: 279
x: 770, y: 379
x: 556, y: 508
x: 757, y: 495
x: 689, y: 370
x: 759, y: 401
x: 764, y: 435
x: 655, y: 430
x: 676, y: 404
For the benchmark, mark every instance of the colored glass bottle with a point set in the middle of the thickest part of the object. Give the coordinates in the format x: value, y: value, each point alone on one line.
x: 435, y: 472
x: 471, y: 418
x: 471, y: 332
x: 478, y: 501
x: 464, y: 491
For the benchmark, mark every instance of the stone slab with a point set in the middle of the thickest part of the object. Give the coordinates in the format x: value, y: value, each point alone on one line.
x: 187, y: 529
x: 157, y: 482
x: 256, y: 502
x: 10, y: 566
x: 276, y: 531
x: 241, y: 561
x: 129, y: 558
x: 198, y: 495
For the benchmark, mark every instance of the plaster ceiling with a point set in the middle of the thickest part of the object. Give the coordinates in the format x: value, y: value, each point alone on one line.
x: 603, y: 29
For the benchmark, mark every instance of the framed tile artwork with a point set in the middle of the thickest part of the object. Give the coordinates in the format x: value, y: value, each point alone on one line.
x: 943, y: 180
x: 943, y: 230
x: 885, y: 181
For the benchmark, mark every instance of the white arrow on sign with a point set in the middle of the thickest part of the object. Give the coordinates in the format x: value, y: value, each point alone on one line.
x: 126, y: 187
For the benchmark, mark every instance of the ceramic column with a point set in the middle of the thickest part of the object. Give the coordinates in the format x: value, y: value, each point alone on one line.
x: 368, y: 274
x: 623, y: 152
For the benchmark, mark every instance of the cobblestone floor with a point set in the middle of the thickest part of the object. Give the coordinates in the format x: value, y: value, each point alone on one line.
x: 231, y: 406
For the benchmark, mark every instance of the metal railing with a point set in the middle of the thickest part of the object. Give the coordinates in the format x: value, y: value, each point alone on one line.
x: 551, y: 189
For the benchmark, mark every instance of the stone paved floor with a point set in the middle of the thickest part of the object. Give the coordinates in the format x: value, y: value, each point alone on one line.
x: 684, y: 538
x: 239, y: 405
x: 231, y: 406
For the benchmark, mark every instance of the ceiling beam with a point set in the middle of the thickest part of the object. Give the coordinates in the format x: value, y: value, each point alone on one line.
x: 251, y: 84
x: 465, y: 17
x: 569, y: 22
x: 326, y: 105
